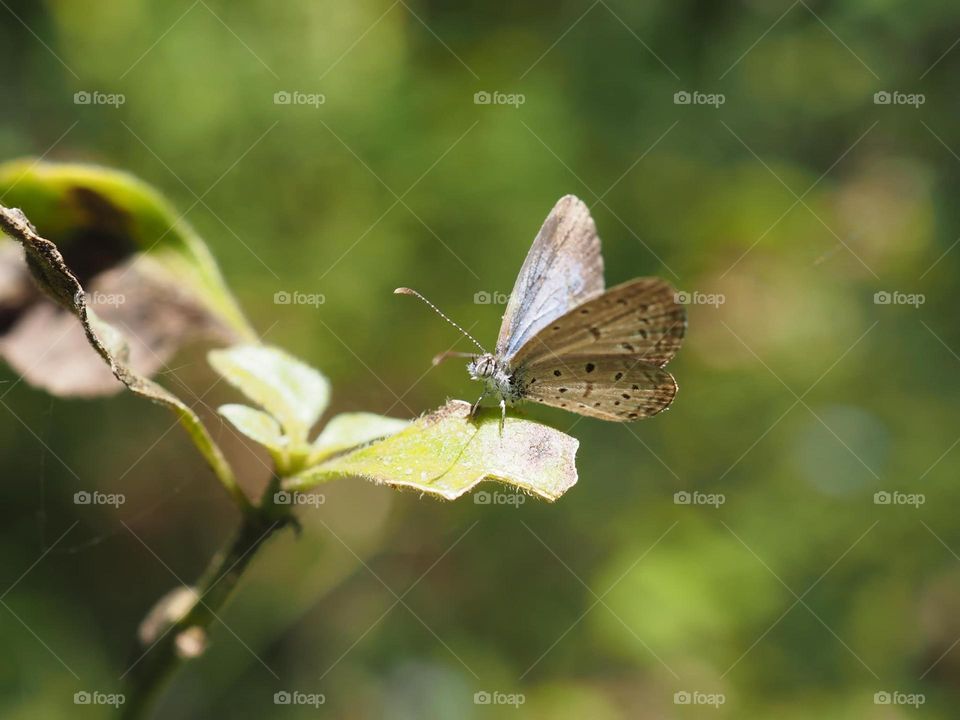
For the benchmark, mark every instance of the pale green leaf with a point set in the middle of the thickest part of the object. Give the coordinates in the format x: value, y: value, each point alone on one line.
x: 290, y: 390
x: 348, y: 430
x: 447, y: 453
x: 256, y: 425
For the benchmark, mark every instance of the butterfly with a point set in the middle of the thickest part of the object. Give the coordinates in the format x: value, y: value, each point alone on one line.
x: 567, y: 342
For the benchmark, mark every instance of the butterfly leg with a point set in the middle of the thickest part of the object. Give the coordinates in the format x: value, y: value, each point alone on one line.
x: 503, y: 414
x: 476, y: 405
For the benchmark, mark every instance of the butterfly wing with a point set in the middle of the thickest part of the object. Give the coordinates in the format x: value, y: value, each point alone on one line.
x: 563, y: 269
x: 640, y: 319
x: 608, y: 387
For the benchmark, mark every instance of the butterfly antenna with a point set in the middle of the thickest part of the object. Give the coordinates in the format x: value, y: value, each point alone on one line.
x: 408, y: 291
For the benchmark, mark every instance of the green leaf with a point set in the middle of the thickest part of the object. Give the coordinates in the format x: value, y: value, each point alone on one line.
x: 290, y: 390
x: 59, y: 282
x: 348, y: 430
x: 447, y: 453
x: 256, y: 425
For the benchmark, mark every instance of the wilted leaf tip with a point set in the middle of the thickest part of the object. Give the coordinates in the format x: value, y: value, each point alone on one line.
x: 55, y: 278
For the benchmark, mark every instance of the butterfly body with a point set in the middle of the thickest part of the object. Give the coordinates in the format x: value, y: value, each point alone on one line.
x: 568, y: 342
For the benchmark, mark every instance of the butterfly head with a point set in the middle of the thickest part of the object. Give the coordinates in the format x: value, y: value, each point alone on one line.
x: 494, y: 374
x: 482, y: 366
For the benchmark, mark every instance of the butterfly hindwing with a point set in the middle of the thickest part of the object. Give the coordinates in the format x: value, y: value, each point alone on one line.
x: 563, y: 269
x: 608, y: 387
x: 640, y: 318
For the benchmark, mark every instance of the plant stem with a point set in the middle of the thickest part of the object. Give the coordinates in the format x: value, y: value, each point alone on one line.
x: 154, y: 665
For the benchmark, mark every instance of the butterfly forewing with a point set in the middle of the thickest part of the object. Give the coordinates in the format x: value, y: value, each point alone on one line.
x: 608, y: 387
x: 563, y: 269
x: 640, y: 318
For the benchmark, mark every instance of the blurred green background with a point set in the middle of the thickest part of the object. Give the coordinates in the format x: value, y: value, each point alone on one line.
x: 796, y: 200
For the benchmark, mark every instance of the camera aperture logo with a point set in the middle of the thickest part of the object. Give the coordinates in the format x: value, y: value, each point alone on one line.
x: 96, y: 97
x: 899, y: 698
x: 895, y: 97
x: 895, y: 497
x: 495, y: 697
x: 296, y: 697
x: 696, y: 697
x: 95, y: 697
x: 499, y: 98
x: 483, y: 297
x: 895, y: 297
x: 285, y: 497
x: 84, y: 497
x: 499, y: 498
x: 696, y: 97
x: 684, y: 497
x: 298, y: 97
x: 282, y: 297
x: 699, y: 298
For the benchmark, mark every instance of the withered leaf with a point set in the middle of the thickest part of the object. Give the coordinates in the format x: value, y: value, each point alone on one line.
x: 145, y: 271
x: 57, y: 280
